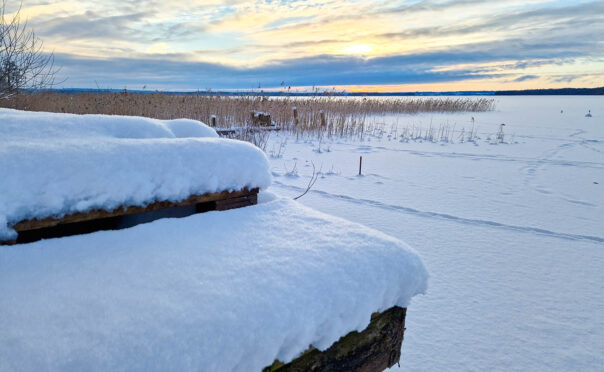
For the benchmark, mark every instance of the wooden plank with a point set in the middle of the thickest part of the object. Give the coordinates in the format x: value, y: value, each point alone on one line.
x: 232, y: 203
x: 35, y: 224
x: 225, y: 131
x: 235, y: 130
x: 375, y: 349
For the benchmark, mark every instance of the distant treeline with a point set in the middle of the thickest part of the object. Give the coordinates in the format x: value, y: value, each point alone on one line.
x: 315, y: 93
x: 553, y: 92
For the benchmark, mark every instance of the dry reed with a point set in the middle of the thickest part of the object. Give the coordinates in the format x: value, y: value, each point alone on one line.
x: 343, y: 116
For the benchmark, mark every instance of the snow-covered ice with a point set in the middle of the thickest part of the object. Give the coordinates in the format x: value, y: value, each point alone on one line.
x: 219, y: 291
x: 53, y: 164
x: 512, y: 233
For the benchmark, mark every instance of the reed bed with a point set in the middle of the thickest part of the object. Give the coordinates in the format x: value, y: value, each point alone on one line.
x: 317, y: 116
x: 444, y: 133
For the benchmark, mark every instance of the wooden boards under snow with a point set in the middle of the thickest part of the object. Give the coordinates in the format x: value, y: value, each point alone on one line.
x: 126, y: 216
x: 375, y: 349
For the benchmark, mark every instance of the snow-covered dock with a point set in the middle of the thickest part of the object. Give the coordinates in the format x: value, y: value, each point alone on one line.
x: 232, y: 290
x: 218, y: 291
x: 54, y: 165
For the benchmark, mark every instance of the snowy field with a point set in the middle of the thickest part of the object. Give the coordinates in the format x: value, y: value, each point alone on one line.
x: 512, y: 233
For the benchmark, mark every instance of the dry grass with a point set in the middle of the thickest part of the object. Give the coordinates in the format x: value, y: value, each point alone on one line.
x: 444, y: 133
x: 343, y: 116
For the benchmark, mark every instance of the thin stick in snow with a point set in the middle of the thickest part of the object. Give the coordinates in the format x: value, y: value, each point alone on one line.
x: 311, y: 183
x: 360, y: 165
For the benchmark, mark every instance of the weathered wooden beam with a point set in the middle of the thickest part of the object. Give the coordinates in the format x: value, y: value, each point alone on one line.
x: 94, y: 214
x: 235, y: 130
x: 225, y: 131
x: 232, y: 203
x: 373, y: 350
x: 120, y: 218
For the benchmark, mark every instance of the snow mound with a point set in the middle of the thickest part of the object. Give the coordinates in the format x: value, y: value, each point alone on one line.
x: 54, y: 164
x: 219, y: 291
x: 28, y: 125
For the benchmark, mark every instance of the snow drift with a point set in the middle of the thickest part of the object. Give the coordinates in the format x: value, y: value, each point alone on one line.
x: 219, y: 291
x: 54, y: 164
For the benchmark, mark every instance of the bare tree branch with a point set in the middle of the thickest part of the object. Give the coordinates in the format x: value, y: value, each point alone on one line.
x: 23, y: 64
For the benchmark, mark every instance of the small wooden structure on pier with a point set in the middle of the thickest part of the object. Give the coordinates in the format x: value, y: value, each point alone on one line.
x: 259, y: 122
x: 261, y: 119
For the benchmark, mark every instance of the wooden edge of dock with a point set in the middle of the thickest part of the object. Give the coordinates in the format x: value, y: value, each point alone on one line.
x: 205, y: 202
x: 375, y: 349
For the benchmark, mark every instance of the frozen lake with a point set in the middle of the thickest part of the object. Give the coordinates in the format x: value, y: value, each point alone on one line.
x: 512, y: 233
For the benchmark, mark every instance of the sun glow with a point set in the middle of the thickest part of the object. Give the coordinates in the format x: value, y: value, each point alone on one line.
x: 358, y: 49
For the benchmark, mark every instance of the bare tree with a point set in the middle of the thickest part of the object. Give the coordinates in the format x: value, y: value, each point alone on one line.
x: 23, y: 64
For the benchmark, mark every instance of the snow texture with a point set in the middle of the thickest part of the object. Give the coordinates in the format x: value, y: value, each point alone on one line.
x: 513, y: 232
x: 219, y: 291
x: 53, y: 164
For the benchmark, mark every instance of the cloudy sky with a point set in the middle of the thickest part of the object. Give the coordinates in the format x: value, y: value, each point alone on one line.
x: 407, y: 45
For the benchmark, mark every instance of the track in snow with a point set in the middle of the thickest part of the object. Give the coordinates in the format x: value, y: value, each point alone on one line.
x: 445, y: 216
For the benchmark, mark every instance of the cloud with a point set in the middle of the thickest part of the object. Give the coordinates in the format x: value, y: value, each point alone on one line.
x: 564, y: 78
x: 240, y: 44
x: 579, y: 18
x: 91, y: 25
x: 317, y: 70
x: 525, y: 78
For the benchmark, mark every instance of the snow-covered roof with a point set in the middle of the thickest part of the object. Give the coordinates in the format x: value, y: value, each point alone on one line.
x: 54, y: 164
x: 219, y: 291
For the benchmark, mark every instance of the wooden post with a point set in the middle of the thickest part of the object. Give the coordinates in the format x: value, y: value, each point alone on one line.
x: 323, y: 124
x: 295, y: 116
x: 360, y: 165
x: 376, y: 348
x: 213, y: 121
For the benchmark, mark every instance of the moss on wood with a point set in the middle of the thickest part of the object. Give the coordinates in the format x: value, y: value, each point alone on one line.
x: 376, y: 348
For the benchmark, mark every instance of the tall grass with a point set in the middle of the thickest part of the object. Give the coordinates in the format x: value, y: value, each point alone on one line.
x: 344, y: 116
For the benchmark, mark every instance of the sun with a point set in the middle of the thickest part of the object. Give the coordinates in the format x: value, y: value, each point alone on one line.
x: 358, y: 49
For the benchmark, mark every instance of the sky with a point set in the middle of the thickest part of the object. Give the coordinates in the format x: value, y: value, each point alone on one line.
x: 386, y: 46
